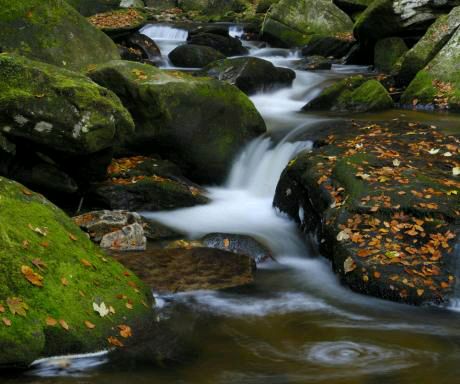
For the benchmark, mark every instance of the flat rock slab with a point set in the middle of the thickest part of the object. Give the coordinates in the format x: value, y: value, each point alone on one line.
x: 385, y: 199
x: 178, y: 269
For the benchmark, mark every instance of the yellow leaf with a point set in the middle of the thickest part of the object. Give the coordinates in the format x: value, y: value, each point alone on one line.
x: 89, y: 324
x: 31, y: 276
x: 125, y: 331
x: 64, y: 324
x: 51, y: 321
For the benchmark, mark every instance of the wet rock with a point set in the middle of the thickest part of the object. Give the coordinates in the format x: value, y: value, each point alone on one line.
x: 213, y: 7
x: 250, y: 74
x: 328, y: 46
x: 356, y: 93
x: 179, y: 269
x: 437, y: 86
x: 58, y: 109
x: 427, y: 47
x: 200, y: 124
x: 387, y: 52
x: 294, y: 22
x: 379, y: 197
x: 194, y: 56
x: 241, y: 244
x: 129, y: 238
x: 228, y: 46
x: 54, y: 33
x: 314, y: 63
x: 146, y: 45
x: 48, y: 258
x: 135, y: 185
x: 155, y: 231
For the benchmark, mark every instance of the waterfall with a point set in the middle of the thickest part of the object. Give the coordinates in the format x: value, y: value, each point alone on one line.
x: 164, y: 32
x: 236, y: 31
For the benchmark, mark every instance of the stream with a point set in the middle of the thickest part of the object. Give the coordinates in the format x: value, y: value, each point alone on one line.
x: 296, y: 323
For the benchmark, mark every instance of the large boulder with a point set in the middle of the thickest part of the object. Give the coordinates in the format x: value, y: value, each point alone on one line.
x: 387, y: 52
x: 352, y: 94
x: 58, y: 109
x: 200, y: 124
x: 194, y: 56
x: 227, y: 45
x: 438, y: 84
x: 328, y: 46
x: 294, y: 22
x: 427, y: 47
x: 250, y: 74
x: 213, y: 7
x: 189, y: 269
x: 91, y: 7
x: 382, y: 200
x: 57, y: 289
x: 54, y: 32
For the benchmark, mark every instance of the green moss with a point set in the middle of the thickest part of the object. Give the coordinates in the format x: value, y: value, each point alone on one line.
x: 387, y: 52
x: 62, y: 247
x: 370, y: 96
x: 377, y: 21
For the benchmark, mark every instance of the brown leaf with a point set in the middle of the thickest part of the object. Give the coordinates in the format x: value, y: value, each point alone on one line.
x: 86, y: 263
x: 125, y: 331
x: 64, y: 281
x: 50, y: 321
x: 89, y: 324
x: 39, y: 264
x: 72, y: 237
x: 129, y: 306
x: 17, y: 306
x: 26, y: 192
x: 6, y: 321
x: 64, y: 324
x: 31, y: 276
x: 2, y: 309
x: 226, y: 243
x: 114, y: 341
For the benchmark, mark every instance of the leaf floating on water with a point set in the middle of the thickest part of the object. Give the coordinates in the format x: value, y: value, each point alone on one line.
x: 50, y: 321
x: 89, y: 324
x: 6, y: 321
x: 114, y: 341
x: 101, y: 309
x: 17, y: 306
x: 31, y: 276
x: 349, y: 265
x: 125, y: 331
x: 64, y: 324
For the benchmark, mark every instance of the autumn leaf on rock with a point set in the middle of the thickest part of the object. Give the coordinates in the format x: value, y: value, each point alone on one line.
x: 40, y: 231
x: 349, y: 265
x: 89, y: 324
x: 125, y: 331
x: 114, y: 341
x: 39, y: 264
x: 2, y: 309
x: 50, y: 321
x: 6, y: 321
x: 17, y: 306
x: 64, y: 324
x: 31, y: 276
x: 101, y: 309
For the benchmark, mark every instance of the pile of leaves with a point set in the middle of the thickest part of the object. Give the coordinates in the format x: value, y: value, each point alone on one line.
x: 117, y: 19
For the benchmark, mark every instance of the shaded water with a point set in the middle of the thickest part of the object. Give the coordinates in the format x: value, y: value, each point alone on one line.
x: 296, y: 323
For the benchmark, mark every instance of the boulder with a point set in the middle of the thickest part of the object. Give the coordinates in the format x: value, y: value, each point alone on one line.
x: 328, y: 46
x: 250, y: 74
x: 200, y: 124
x: 387, y: 52
x: 135, y: 185
x: 58, y: 109
x: 179, y: 269
x: 91, y: 7
x: 314, y: 63
x: 194, y: 56
x: 294, y: 22
x: 437, y: 86
x: 52, y: 279
x: 378, y: 197
x: 352, y: 7
x: 241, y: 244
x: 352, y: 94
x: 227, y: 45
x: 129, y: 238
x: 148, y: 48
x: 53, y: 32
x: 213, y: 7
x: 264, y: 5
x: 119, y: 23
x: 427, y: 47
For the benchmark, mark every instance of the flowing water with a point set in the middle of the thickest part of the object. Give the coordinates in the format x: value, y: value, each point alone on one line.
x: 296, y: 323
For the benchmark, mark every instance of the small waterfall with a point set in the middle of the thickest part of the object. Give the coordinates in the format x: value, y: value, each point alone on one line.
x: 164, y: 32
x: 236, y: 31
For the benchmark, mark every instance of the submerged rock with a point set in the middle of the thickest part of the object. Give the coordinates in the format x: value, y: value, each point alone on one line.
x: 51, y: 277
x: 353, y: 94
x: 387, y: 52
x: 54, y: 32
x: 250, y: 74
x: 380, y: 199
x: 294, y: 22
x: 437, y: 86
x: 200, y: 124
x: 194, y: 56
x: 180, y: 269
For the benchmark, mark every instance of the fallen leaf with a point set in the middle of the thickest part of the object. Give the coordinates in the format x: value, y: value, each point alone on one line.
x: 129, y: 306
x: 89, y: 324
x: 456, y: 171
x: 420, y: 292
x: 125, y: 331
x: 433, y: 151
x: 51, y: 321
x: 343, y: 235
x: 86, y: 263
x: 101, y: 309
x: 72, y: 237
x: 6, y: 321
x: 349, y: 265
x: 64, y: 281
x: 40, y: 231
x: 226, y: 243
x: 31, y: 276
x: 17, y: 306
x: 2, y: 309
x: 64, y: 324
x: 39, y: 264
x: 114, y: 341
x: 396, y: 163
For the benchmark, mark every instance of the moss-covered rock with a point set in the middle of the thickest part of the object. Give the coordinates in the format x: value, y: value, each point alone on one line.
x: 91, y: 7
x: 54, y: 32
x: 293, y: 22
x: 120, y: 22
x: 194, y: 56
x: 225, y: 44
x: 384, y: 207
x: 264, y: 5
x: 438, y: 84
x: 328, y: 46
x: 355, y: 94
x: 51, y: 274
x: 379, y: 20
x: 387, y: 52
x: 427, y: 47
x: 353, y: 6
x: 250, y: 74
x: 58, y: 109
x: 198, y: 123
x: 213, y: 7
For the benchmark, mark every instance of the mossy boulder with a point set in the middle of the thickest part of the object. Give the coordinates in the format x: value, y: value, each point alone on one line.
x: 58, y: 109
x: 51, y: 274
x: 213, y: 7
x: 294, y: 22
x: 250, y: 74
x: 387, y: 52
x: 438, y: 84
x: 383, y: 205
x: 427, y: 47
x: 194, y: 56
x: 91, y: 7
x: 328, y: 46
x: 54, y: 32
x: 119, y: 23
x: 264, y: 5
x: 352, y: 94
x: 198, y: 123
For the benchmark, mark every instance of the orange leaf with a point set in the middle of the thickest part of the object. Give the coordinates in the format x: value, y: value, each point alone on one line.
x: 125, y: 331
x: 226, y: 243
x: 64, y: 324
x: 114, y: 341
x: 31, y: 276
x: 51, y: 321
x: 6, y: 321
x: 89, y: 324
x: 86, y: 263
x: 2, y: 308
x: 64, y: 281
